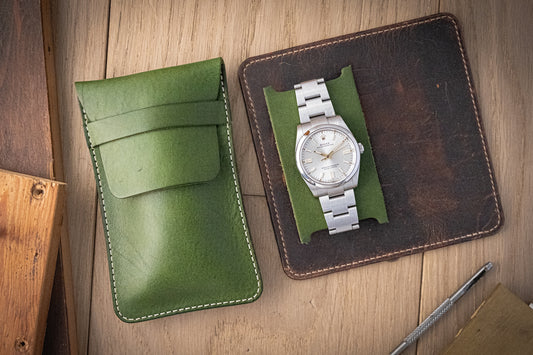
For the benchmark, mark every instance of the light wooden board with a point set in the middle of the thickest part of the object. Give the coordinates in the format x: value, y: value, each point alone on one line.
x: 364, y: 310
x: 30, y: 218
x: 498, y: 43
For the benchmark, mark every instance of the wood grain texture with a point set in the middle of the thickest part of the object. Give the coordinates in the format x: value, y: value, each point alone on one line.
x: 365, y: 310
x: 23, y: 91
x: 80, y: 44
x: 61, y: 338
x: 28, y: 109
x: 30, y: 219
x: 497, y: 40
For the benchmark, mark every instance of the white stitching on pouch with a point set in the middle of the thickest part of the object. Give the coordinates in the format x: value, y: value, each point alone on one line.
x: 239, y: 203
x: 287, y: 265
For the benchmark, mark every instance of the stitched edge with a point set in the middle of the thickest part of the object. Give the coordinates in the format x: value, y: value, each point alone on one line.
x: 239, y: 203
x: 403, y: 251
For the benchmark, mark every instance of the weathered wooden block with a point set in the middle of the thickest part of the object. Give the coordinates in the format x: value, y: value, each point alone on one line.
x: 30, y: 223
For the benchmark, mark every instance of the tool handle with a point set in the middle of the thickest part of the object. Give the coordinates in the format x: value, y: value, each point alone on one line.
x: 428, y: 322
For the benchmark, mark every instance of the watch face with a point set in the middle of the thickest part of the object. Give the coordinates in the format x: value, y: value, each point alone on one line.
x: 328, y: 156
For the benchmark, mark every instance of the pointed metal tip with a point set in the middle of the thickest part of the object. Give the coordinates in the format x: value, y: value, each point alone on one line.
x: 488, y: 266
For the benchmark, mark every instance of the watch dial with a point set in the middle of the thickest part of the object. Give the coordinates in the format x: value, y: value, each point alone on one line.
x: 328, y: 156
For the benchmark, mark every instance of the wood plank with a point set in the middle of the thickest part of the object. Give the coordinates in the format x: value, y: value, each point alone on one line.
x: 348, y: 311
x: 60, y: 337
x: 28, y: 114
x: 30, y: 219
x: 497, y: 40
x: 80, y: 42
x: 23, y: 91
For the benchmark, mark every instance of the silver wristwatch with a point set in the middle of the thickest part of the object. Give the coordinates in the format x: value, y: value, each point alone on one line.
x: 327, y: 155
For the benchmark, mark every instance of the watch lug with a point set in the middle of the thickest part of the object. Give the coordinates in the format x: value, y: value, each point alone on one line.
x: 338, y: 121
x: 314, y: 189
x: 300, y: 130
x: 322, y: 191
x: 355, y: 180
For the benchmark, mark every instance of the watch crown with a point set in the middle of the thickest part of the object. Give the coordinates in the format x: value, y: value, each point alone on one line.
x: 361, y: 148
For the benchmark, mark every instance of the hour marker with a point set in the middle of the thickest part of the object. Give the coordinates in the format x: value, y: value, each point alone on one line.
x: 312, y: 169
x: 322, y: 176
x: 347, y: 162
x: 342, y: 172
x: 332, y: 175
x: 307, y: 161
x: 347, y: 151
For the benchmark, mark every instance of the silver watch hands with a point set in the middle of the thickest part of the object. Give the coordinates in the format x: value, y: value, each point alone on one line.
x: 319, y: 153
x: 333, y: 151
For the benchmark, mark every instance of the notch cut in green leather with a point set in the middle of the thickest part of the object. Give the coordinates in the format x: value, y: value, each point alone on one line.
x: 283, y: 112
x: 173, y: 217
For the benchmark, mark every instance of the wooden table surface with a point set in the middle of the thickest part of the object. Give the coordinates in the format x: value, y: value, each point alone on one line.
x: 366, y: 310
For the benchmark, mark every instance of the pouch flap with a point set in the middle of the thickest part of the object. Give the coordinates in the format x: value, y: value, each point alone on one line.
x: 160, y: 159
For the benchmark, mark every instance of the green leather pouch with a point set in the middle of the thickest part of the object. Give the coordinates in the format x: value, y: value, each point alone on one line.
x: 174, y: 222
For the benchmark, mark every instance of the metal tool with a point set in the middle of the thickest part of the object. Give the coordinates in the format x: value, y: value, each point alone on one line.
x: 441, y: 310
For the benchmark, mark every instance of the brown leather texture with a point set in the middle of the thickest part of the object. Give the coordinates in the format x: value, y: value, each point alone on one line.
x: 432, y: 158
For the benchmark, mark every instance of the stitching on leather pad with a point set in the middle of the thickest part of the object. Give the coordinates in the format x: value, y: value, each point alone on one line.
x: 243, y: 221
x: 287, y: 265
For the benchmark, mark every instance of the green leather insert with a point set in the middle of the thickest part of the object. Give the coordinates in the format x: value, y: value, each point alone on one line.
x: 307, y: 211
x: 173, y: 217
x: 157, y: 117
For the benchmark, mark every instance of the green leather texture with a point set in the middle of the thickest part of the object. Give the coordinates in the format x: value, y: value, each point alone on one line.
x: 174, y: 221
x: 283, y: 112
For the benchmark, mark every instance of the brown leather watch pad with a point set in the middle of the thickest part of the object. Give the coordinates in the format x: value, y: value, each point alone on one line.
x: 421, y: 112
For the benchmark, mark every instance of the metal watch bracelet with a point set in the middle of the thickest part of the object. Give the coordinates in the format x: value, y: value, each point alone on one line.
x: 340, y: 211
